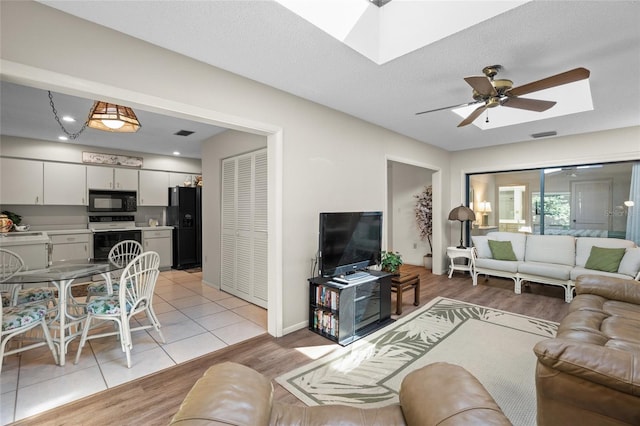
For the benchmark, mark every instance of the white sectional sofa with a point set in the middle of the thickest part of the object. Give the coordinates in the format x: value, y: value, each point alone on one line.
x: 550, y: 259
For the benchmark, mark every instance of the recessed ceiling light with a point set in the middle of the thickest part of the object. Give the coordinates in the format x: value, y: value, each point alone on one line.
x: 176, y: 153
x: 68, y: 118
x: 63, y: 138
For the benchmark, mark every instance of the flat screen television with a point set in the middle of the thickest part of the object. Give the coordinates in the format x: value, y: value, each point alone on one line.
x: 349, y: 241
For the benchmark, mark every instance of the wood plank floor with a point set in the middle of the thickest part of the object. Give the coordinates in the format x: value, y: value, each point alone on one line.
x: 153, y: 400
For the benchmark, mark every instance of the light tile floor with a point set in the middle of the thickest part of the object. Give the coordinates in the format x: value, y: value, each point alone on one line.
x: 196, y: 319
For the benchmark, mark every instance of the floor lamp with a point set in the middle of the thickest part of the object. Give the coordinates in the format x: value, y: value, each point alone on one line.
x: 462, y: 214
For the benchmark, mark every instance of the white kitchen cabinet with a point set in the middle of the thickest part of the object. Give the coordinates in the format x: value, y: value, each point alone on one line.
x: 21, y: 182
x: 71, y: 246
x: 65, y: 184
x: 154, y: 188
x: 112, y: 178
x: 160, y: 242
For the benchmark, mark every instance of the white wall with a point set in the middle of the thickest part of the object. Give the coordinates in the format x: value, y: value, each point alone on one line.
x: 405, y: 182
x: 36, y: 149
x: 320, y: 159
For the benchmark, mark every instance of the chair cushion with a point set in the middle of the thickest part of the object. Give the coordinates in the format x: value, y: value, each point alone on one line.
x: 558, y: 249
x: 481, y: 243
x: 101, y: 288
x: 105, y: 305
x: 498, y: 265
x: 549, y: 270
x: 22, y: 315
x: 29, y: 295
x: 630, y: 263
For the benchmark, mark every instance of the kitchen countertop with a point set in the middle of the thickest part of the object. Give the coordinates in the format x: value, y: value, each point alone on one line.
x: 88, y: 231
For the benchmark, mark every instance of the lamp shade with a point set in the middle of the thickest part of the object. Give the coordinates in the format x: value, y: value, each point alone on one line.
x: 462, y: 213
x: 485, y: 207
x: 113, y: 118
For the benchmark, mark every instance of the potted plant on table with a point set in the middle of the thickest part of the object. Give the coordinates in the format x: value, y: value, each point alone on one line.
x: 424, y: 219
x: 391, y: 261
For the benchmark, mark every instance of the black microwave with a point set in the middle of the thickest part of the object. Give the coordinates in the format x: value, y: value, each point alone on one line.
x: 112, y: 201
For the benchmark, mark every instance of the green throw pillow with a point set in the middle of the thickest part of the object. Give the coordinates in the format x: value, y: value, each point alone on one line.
x: 605, y: 259
x: 502, y: 250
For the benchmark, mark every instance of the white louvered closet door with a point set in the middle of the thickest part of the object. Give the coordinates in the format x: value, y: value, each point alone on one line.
x: 244, y: 227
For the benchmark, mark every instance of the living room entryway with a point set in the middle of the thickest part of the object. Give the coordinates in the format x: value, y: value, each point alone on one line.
x: 404, y: 183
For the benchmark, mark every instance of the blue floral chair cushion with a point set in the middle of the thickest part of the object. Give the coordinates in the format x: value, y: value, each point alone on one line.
x: 109, y: 305
x: 101, y: 288
x: 30, y: 295
x: 19, y: 316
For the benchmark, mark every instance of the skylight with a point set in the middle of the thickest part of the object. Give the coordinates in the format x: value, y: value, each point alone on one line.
x: 401, y: 26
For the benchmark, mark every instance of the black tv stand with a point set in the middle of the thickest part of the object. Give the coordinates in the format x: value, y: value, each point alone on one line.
x: 345, y: 313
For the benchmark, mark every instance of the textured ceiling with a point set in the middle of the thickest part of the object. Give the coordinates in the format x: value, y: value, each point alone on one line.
x: 532, y: 41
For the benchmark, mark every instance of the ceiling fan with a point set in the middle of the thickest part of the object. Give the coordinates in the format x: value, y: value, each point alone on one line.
x: 500, y: 92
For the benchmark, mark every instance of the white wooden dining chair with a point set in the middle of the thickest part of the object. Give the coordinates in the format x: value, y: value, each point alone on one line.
x: 14, y: 294
x: 10, y: 264
x: 17, y: 321
x: 135, y: 296
x: 120, y: 254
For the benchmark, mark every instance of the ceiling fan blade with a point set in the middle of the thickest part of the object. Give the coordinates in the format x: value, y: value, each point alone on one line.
x: 482, y: 85
x: 528, y: 104
x: 475, y: 114
x: 546, y: 83
x: 449, y: 107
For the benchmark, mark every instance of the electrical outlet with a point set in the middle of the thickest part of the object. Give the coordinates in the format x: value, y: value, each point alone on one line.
x: 415, y: 245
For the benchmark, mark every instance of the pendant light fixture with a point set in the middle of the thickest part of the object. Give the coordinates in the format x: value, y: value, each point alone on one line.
x: 113, y: 118
x: 103, y: 116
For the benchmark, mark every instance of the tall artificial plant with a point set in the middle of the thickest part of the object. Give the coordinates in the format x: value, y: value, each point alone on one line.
x: 424, y: 215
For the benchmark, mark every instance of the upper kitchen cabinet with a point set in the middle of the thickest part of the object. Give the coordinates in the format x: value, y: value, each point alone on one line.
x: 65, y: 184
x: 22, y: 182
x: 112, y: 178
x: 153, y: 188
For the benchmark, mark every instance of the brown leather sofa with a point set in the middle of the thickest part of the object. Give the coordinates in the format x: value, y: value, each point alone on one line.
x: 438, y: 394
x: 590, y: 373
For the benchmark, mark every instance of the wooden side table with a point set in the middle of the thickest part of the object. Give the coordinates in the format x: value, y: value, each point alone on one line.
x: 467, y: 253
x: 402, y: 282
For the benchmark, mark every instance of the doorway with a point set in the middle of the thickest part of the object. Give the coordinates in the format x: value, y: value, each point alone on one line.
x: 404, y: 182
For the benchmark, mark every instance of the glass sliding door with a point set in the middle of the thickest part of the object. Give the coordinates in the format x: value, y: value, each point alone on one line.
x: 580, y: 200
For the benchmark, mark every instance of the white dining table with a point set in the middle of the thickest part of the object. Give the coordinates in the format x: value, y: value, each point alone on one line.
x: 62, y: 274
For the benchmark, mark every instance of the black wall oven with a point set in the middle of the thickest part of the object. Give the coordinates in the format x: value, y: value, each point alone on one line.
x: 112, y: 201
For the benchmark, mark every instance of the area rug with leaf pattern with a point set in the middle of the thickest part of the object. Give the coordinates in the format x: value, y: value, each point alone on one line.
x: 494, y: 345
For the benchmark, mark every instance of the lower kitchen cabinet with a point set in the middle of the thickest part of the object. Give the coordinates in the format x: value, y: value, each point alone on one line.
x: 160, y: 242
x: 71, y: 246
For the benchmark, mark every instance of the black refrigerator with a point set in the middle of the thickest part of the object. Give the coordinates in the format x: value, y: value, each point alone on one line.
x: 184, y: 214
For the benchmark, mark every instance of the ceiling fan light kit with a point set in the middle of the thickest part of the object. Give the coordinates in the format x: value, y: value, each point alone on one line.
x: 500, y: 92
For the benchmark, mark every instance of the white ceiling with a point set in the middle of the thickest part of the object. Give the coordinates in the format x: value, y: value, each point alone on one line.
x: 532, y: 41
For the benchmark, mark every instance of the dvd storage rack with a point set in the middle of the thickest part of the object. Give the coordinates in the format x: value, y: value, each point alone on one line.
x: 347, y: 312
